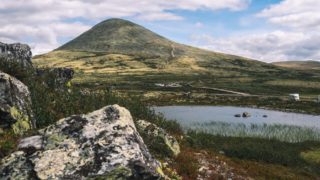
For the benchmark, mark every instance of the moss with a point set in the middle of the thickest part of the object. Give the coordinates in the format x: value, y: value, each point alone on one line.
x: 23, y: 123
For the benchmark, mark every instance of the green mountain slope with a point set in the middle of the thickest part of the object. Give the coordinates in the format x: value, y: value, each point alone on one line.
x: 123, y: 37
x: 119, y: 36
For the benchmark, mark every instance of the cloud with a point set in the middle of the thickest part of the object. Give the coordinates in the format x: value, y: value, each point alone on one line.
x: 295, y: 34
x: 268, y: 47
x: 42, y: 22
x: 298, y: 14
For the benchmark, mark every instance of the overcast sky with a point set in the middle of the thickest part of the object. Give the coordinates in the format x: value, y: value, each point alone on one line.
x: 267, y: 30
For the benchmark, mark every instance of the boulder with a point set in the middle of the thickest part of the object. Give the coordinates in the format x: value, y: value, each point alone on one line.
x: 160, y: 137
x: 103, y: 144
x: 15, y: 105
x: 18, y: 53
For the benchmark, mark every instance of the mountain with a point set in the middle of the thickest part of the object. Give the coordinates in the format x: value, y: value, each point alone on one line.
x: 303, y: 65
x: 121, y: 52
x: 124, y: 37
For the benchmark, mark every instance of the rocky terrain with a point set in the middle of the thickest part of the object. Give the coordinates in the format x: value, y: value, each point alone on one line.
x: 104, y: 143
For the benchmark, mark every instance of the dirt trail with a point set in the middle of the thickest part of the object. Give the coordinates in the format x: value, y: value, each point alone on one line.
x: 226, y: 91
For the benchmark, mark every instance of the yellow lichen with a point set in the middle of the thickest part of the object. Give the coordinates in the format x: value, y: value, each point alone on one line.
x: 22, y: 124
x: 159, y: 170
x: 69, y: 84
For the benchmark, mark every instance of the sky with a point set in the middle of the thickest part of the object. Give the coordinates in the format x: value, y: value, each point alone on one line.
x: 266, y: 30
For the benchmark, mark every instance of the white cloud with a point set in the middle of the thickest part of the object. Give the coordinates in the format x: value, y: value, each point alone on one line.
x: 296, y: 35
x: 269, y: 47
x: 43, y: 22
x: 299, y: 14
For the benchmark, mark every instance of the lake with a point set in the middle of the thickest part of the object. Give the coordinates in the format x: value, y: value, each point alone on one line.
x: 221, y: 120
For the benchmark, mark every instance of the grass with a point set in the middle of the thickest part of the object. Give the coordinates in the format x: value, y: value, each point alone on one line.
x: 257, y: 149
x: 286, y: 133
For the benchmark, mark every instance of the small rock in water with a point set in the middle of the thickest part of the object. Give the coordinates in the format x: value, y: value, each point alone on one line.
x: 237, y: 115
x: 265, y: 116
x: 246, y: 114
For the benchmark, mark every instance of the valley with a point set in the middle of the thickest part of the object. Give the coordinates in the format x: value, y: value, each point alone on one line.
x: 123, y: 56
x: 120, y: 62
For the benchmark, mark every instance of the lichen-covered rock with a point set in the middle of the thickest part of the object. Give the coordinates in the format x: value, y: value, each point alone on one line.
x: 18, y: 53
x: 15, y: 105
x: 103, y: 144
x: 59, y: 77
x: 160, y: 137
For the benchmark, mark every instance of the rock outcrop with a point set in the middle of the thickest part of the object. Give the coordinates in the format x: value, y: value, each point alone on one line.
x: 103, y: 144
x: 15, y: 105
x: 160, y: 137
x: 18, y: 53
x: 58, y: 76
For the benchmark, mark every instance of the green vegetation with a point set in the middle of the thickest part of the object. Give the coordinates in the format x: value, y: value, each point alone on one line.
x: 257, y: 149
x: 280, y: 132
x: 50, y: 104
x: 312, y: 156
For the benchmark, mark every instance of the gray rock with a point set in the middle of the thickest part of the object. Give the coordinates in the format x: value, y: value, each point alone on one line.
x: 59, y: 76
x: 160, y: 137
x: 32, y: 143
x: 15, y: 105
x: 246, y: 115
x: 103, y: 144
x: 19, y: 53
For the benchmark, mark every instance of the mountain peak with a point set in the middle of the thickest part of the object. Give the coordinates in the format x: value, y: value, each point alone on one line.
x: 120, y: 36
x: 116, y: 21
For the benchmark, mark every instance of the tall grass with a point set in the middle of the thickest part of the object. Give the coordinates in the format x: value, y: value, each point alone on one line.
x: 286, y: 133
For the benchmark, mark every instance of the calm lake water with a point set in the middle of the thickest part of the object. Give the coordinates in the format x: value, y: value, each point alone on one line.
x: 221, y: 120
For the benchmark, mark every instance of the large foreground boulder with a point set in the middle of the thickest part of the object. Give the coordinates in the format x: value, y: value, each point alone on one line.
x: 103, y: 144
x: 17, y: 53
x: 15, y: 105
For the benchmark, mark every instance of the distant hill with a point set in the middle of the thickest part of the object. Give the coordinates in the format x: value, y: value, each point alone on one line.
x: 118, y: 51
x: 303, y: 65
